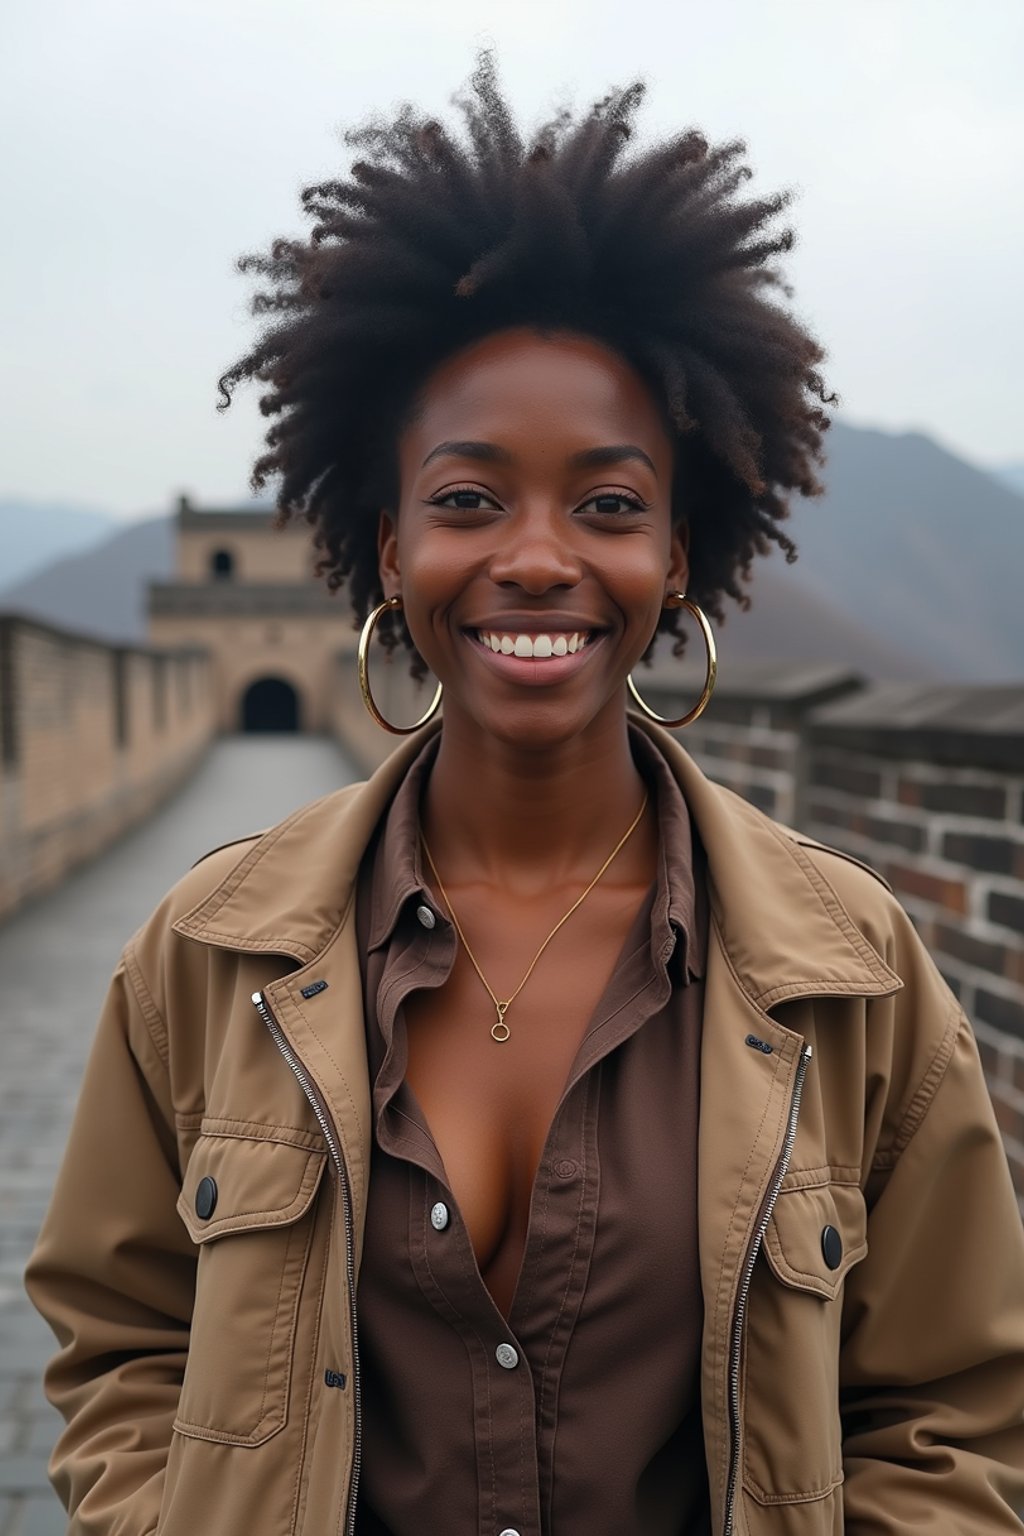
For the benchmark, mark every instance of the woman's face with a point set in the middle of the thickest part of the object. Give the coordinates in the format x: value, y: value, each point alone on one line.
x: 533, y: 547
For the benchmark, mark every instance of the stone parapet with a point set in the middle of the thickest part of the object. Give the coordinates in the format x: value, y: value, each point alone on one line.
x: 257, y: 599
x: 752, y: 737
x: 92, y: 737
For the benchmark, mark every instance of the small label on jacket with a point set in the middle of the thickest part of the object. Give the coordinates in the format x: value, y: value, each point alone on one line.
x: 759, y: 1045
x: 334, y: 1378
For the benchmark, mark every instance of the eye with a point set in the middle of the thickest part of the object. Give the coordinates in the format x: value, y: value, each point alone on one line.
x: 462, y: 498
x: 615, y: 503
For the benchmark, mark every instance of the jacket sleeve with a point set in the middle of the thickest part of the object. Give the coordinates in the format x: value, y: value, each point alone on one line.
x: 113, y: 1273
x: 932, y: 1363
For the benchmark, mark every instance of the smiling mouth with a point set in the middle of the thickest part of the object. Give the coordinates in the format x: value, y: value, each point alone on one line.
x: 538, y: 647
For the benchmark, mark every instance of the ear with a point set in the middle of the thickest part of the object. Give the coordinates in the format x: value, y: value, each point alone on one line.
x: 678, y: 574
x: 387, y: 555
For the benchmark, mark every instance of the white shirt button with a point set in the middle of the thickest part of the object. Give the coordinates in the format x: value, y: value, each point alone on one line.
x: 507, y: 1357
x: 439, y: 1216
x: 426, y: 917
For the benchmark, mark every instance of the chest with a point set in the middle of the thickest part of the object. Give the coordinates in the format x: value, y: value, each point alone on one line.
x: 490, y: 1105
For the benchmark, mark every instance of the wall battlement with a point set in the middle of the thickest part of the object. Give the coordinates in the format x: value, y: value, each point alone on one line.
x: 92, y: 737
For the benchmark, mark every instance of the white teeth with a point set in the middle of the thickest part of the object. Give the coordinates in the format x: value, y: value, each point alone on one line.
x: 537, y: 646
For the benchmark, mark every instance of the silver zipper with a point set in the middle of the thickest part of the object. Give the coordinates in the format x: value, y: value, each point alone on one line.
x: 748, y: 1273
x: 327, y: 1127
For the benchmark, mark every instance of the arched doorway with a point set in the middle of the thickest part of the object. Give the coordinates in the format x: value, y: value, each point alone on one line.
x: 270, y: 704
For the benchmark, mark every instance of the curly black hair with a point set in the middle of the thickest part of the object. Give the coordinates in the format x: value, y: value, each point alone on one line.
x: 437, y: 239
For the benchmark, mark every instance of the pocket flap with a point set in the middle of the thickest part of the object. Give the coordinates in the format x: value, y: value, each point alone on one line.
x: 245, y: 1183
x: 796, y: 1245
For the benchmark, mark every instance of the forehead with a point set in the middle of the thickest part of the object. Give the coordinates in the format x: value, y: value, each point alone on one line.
x: 522, y: 385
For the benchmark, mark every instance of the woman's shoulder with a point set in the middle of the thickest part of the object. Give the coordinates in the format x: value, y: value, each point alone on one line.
x: 220, y: 868
x: 839, y: 864
x: 857, y: 895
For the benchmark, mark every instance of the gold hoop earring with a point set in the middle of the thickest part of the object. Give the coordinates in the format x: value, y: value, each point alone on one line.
x: 682, y: 601
x: 390, y: 604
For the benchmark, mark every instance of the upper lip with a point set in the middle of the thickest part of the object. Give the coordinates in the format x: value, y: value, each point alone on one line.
x: 535, y: 624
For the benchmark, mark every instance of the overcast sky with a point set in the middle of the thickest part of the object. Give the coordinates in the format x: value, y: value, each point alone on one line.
x: 145, y: 145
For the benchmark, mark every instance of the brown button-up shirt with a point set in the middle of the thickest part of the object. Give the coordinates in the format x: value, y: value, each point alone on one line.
x: 580, y: 1415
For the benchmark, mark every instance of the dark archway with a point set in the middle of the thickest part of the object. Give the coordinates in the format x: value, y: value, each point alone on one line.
x: 222, y: 565
x: 270, y: 704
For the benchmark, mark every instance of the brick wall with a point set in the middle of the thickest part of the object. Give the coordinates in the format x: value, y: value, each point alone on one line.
x: 92, y: 737
x: 925, y: 784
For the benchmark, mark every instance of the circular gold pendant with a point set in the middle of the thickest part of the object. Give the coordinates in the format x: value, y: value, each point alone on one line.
x: 500, y: 1031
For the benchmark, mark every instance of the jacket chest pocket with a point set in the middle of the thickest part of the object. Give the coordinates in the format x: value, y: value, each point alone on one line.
x: 247, y: 1204
x: 792, y: 1430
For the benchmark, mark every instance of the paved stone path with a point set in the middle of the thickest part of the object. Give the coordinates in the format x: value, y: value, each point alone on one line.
x: 56, y: 957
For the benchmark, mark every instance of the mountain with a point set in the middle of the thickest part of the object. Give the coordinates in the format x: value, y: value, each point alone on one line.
x: 921, y: 549
x: 32, y: 533
x: 1011, y: 475
x: 789, y: 621
x: 103, y: 590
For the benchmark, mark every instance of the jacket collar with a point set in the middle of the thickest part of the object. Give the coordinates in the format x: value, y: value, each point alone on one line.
x: 782, y: 926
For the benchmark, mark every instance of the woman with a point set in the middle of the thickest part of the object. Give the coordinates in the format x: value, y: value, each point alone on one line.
x: 536, y: 1138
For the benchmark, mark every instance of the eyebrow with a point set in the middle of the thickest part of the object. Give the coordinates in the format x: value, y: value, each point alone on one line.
x: 488, y: 453
x: 615, y: 453
x: 587, y: 458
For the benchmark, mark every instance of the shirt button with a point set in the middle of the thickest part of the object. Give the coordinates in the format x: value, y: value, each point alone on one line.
x: 507, y: 1357
x: 426, y: 917
x: 439, y: 1216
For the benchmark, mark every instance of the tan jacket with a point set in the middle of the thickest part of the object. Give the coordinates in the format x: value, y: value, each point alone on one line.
x: 209, y: 1369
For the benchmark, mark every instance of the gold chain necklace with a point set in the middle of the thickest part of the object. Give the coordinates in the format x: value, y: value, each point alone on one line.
x: 499, y: 1029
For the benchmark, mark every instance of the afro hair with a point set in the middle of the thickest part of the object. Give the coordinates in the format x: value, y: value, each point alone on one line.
x: 439, y: 237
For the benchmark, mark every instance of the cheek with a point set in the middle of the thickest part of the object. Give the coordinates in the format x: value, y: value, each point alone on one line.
x: 432, y: 565
x: 432, y: 577
x: 635, y: 575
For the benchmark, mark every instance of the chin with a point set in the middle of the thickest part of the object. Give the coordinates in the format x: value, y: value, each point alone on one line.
x: 542, y: 726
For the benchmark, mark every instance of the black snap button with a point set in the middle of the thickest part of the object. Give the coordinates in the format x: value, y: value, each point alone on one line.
x: 832, y: 1247
x: 206, y: 1198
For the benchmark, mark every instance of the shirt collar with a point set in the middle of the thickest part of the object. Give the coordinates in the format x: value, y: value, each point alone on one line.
x: 398, y: 875
x: 678, y: 918
x: 397, y: 855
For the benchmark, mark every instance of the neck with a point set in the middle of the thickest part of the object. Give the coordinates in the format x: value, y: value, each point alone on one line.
x: 494, y: 812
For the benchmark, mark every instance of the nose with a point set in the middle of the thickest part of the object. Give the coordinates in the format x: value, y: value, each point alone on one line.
x: 536, y: 552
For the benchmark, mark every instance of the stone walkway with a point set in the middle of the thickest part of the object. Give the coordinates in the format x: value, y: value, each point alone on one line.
x: 56, y: 957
